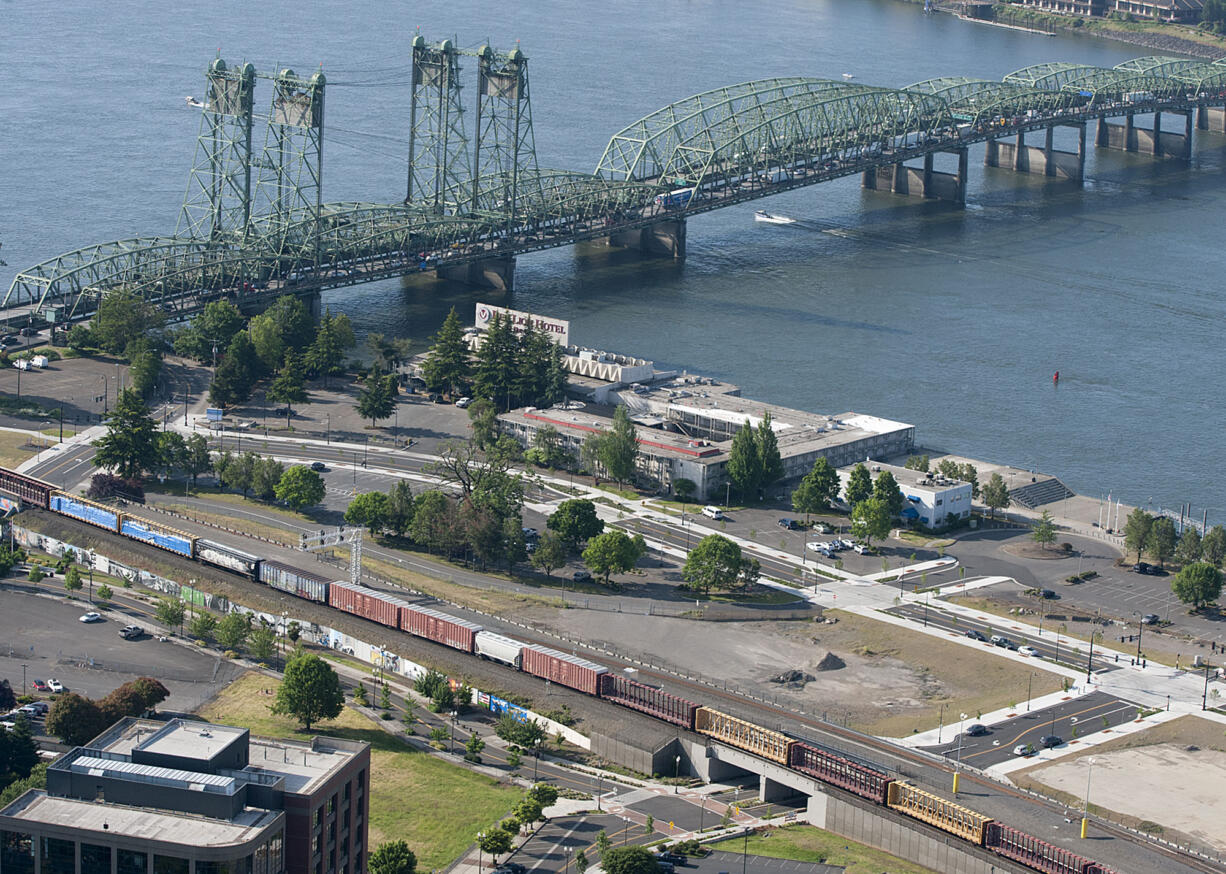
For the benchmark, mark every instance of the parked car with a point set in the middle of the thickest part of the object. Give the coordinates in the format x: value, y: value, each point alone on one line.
x: 1048, y: 593
x: 55, y: 686
x: 1001, y: 640
x: 822, y: 528
x: 91, y: 616
x: 463, y: 403
x: 672, y: 858
x: 1150, y: 619
x: 1027, y: 651
x: 975, y: 635
x: 789, y: 524
x: 531, y: 534
x: 1051, y: 740
x: 40, y: 686
x: 976, y: 729
x: 861, y: 549
x: 1141, y: 567
x: 582, y: 576
x: 131, y: 632
x: 1023, y: 750
x: 846, y: 544
x: 318, y: 466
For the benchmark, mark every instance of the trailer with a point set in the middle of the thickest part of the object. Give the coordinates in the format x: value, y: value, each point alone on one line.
x: 677, y: 198
x: 647, y: 699
x: 170, y: 539
x: 26, y: 489
x: 303, y: 584
x: 1033, y: 852
x: 433, y: 625
x: 367, y: 603
x: 937, y: 811
x: 85, y: 510
x: 744, y: 735
x: 497, y: 648
x: 559, y: 667
x: 222, y: 556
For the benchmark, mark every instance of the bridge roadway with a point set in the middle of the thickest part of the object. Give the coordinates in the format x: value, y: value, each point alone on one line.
x: 728, y: 146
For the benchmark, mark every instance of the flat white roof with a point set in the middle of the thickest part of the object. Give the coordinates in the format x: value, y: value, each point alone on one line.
x: 191, y: 740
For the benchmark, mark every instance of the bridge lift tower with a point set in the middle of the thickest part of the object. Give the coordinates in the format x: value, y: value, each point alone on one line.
x: 351, y: 537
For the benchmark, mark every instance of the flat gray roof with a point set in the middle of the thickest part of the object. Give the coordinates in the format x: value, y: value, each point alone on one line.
x: 302, y: 767
x: 139, y: 823
x: 191, y: 740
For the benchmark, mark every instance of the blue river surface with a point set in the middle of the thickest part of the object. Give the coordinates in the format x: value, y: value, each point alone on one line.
x: 951, y: 319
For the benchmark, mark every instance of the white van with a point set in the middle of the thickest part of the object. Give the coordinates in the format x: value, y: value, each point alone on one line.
x: 713, y: 512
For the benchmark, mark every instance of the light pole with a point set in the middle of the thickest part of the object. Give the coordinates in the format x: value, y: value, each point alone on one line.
x: 676, y: 773
x: 328, y: 433
x: 1085, y: 819
x: 1140, y: 630
x: 599, y: 789
x: 23, y: 679
x: 453, y: 716
x: 941, y: 723
x: 102, y: 377
x: 1029, y: 683
x: 1090, y: 657
x: 958, y: 770
x: 480, y: 838
x: 1204, y: 698
x: 745, y: 852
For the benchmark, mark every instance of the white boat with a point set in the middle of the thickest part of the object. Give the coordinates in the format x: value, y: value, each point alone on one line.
x: 764, y: 216
x: 849, y: 75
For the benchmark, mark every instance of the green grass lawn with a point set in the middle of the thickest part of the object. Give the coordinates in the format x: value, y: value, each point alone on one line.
x: 433, y: 805
x: 804, y: 843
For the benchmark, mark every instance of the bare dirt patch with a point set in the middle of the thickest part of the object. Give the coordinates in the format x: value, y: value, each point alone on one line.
x: 1028, y: 549
x: 1166, y: 780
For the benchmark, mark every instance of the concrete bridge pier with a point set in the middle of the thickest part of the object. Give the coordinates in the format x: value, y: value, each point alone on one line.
x: 1044, y: 160
x: 496, y: 273
x: 1157, y: 142
x: 1211, y: 118
x: 665, y: 238
x: 920, y: 182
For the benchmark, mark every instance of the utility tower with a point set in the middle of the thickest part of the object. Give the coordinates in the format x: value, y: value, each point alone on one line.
x: 438, y: 146
x: 217, y: 204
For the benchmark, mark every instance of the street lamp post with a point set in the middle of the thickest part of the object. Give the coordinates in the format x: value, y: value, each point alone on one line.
x: 1085, y: 819
x: 1090, y: 657
x: 941, y: 723
x: 480, y: 838
x: 453, y: 716
x: 1204, y: 698
x: 676, y: 773
x: 958, y: 770
x: 1140, y: 630
x: 23, y: 679
x: 1029, y: 685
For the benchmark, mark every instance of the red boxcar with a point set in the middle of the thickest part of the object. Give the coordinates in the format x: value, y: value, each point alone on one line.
x: 859, y: 779
x: 636, y: 696
x: 563, y: 668
x: 431, y: 624
x: 367, y: 603
x: 27, y: 488
x: 1036, y: 853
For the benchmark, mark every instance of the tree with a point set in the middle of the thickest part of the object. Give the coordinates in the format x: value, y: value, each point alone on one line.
x: 215, y: 328
x: 617, y: 449
x: 528, y: 810
x: 262, y: 642
x: 435, y: 522
x: 300, y: 487
x: 817, y: 489
x: 385, y: 353
x: 581, y: 862
x: 613, y: 552
x: 859, y: 485
x: 550, y: 553
x: 377, y: 398
x: 104, y: 593
x: 145, y: 366
x: 293, y: 320
x: 289, y: 386
x: 400, y: 508
x: 266, y: 475
x: 744, y: 463
x: 18, y: 751
x: 1161, y: 539
x: 603, y: 844
x: 969, y: 474
x: 949, y: 469
x: 495, y: 842
x: 917, y: 462
x: 473, y: 747
x: 72, y: 579
x: 684, y: 488
x: 770, y: 462
x: 133, y: 699
x: 524, y: 734
x: 310, y: 692
x: 447, y: 369
x: 546, y: 794
x: 1136, y: 530
x: 326, y: 355
x: 130, y: 445
x: 715, y: 563
x: 1044, y: 530
x: 495, y: 375
x: 392, y: 857
x: 575, y: 522
x: 1198, y: 584
x: 124, y: 316
x: 202, y: 625
x: 195, y: 458
x: 1213, y: 546
x: 886, y: 490
x: 233, y: 630
x: 548, y: 441
x: 1188, y: 549
x: 870, y: 520
x: 369, y: 509
x: 171, y: 446
x: 170, y: 613
x: 514, y: 543
x: 484, y: 420
x: 236, y: 373
x: 75, y: 719
x: 629, y: 860
x: 996, y: 494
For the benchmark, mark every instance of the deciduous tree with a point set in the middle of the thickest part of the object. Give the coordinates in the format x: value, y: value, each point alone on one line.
x: 393, y: 857
x: 613, y: 552
x: 310, y: 692
x: 75, y: 719
x: 859, y: 485
x: 617, y: 449
x: 1213, y: 546
x: 996, y: 494
x: 550, y: 553
x: 886, y: 490
x: 575, y: 521
x: 744, y: 463
x: 817, y: 489
x: 1161, y: 540
x: 300, y: 487
x: 1198, y: 584
x: 369, y: 509
x: 870, y: 520
x: 715, y: 563
x: 124, y: 316
x: 1136, y: 530
x: 233, y: 630
x: 289, y: 386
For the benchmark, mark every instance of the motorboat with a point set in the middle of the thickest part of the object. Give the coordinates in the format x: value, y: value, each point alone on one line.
x: 770, y: 218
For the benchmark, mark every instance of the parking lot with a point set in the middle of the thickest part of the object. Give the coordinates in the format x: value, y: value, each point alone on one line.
x: 41, y: 638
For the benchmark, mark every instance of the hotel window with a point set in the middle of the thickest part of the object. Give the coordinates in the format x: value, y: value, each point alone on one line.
x: 95, y: 859
x: 59, y: 856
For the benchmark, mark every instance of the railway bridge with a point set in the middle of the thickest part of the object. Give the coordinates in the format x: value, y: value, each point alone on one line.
x: 254, y: 224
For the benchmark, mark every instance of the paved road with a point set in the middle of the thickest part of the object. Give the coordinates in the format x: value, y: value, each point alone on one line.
x: 1087, y: 715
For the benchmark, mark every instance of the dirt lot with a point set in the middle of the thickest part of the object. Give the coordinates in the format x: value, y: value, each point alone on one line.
x: 1181, y: 766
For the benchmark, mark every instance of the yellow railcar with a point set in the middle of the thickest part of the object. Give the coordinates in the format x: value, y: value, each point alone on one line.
x: 935, y: 810
x: 743, y: 735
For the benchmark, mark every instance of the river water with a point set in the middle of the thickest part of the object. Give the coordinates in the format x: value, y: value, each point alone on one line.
x: 952, y: 319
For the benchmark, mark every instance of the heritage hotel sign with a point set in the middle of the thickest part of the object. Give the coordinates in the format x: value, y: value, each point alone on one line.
x: 557, y: 330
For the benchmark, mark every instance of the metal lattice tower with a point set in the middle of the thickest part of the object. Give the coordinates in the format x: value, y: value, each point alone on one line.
x: 504, y: 155
x: 341, y: 537
x: 438, y: 145
x: 217, y: 204
x: 289, y: 188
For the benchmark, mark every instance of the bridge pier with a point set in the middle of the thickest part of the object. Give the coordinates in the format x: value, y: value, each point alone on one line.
x: 496, y: 273
x: 662, y: 238
x: 1157, y: 142
x: 1042, y: 160
x: 1211, y: 118
x: 920, y: 182
x: 771, y: 791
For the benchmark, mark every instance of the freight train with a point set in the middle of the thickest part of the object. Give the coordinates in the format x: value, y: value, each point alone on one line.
x: 574, y: 672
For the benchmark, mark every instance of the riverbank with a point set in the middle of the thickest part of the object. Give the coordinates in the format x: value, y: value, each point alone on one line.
x: 1165, y: 38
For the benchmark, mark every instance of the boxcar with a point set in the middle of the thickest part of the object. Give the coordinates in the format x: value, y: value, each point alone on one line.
x: 214, y: 553
x: 937, y: 811
x: 647, y: 699
x: 26, y: 488
x: 432, y: 625
x: 85, y: 510
x: 495, y: 647
x: 1033, y: 852
x: 560, y: 667
x: 170, y: 539
x: 745, y: 735
x: 825, y: 765
x: 304, y: 584
x: 367, y: 603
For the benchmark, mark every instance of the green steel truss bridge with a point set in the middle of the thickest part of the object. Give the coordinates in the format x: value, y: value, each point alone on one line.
x: 254, y: 225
